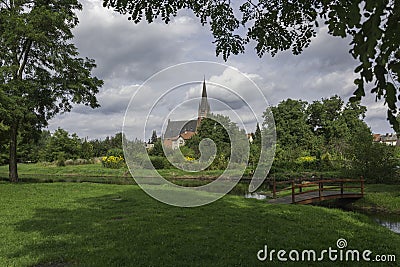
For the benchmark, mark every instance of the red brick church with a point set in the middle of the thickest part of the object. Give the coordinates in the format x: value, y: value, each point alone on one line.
x: 178, y: 132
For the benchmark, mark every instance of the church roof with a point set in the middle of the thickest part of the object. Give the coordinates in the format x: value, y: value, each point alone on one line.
x: 187, y: 135
x: 175, y: 128
x: 204, y: 106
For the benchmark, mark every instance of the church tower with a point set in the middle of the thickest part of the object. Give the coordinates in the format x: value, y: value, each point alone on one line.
x: 204, y: 107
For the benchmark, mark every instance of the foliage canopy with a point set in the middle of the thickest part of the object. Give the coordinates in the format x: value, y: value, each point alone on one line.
x: 41, y: 73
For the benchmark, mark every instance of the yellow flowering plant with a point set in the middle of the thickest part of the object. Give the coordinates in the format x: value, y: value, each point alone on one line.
x: 113, y: 162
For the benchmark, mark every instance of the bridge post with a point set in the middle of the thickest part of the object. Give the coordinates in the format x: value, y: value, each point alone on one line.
x: 341, y: 189
x: 319, y: 190
x: 274, y: 187
x: 293, y: 199
x: 362, y: 185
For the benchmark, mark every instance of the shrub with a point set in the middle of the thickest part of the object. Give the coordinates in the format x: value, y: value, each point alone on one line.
x: 187, y: 158
x: 220, y: 162
x: 60, y: 160
x: 160, y: 162
x: 78, y: 162
x: 113, y: 162
x: 69, y: 162
x: 306, y: 162
x: 116, y: 152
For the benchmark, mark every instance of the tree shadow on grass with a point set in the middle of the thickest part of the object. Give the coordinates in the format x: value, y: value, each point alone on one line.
x: 129, y: 228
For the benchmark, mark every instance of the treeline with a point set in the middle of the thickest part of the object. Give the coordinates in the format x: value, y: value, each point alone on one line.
x: 330, y: 135
x: 60, y: 146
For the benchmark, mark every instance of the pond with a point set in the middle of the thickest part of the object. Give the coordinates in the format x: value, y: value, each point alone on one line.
x: 391, y: 222
x: 255, y: 195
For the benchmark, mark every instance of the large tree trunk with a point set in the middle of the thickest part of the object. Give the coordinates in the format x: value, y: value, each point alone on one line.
x: 13, y: 173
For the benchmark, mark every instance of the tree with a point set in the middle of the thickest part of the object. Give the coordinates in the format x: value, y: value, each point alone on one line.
x: 41, y: 73
x: 62, y: 143
x: 3, y: 143
x: 325, y: 130
x: 216, y: 130
x: 87, y: 151
x: 116, y: 141
x: 292, y: 131
x: 227, y: 137
x: 153, y: 139
x: 327, y: 123
x: 257, y: 136
x: 255, y: 147
x: 336, y: 123
x: 275, y: 25
x: 374, y: 161
x: 157, y: 150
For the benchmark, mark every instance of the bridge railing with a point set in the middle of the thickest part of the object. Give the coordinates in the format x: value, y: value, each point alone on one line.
x: 304, y: 186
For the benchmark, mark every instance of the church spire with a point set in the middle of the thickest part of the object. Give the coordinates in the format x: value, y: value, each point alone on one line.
x: 204, y: 93
x: 204, y: 107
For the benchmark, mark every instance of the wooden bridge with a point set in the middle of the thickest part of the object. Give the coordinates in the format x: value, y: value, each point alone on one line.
x: 307, y: 192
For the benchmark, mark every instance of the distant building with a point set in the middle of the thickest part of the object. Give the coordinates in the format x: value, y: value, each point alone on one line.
x: 149, y: 145
x: 250, y: 137
x: 388, y: 139
x: 177, y: 132
x: 376, y: 138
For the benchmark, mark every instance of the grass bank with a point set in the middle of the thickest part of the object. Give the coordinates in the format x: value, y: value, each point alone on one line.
x: 41, y: 172
x: 379, y: 198
x: 85, y: 224
x: 45, y: 172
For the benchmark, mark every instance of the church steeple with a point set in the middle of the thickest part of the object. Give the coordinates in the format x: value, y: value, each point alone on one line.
x: 204, y: 107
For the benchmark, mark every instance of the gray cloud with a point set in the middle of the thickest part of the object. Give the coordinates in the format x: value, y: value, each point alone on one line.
x: 125, y: 51
x: 127, y: 54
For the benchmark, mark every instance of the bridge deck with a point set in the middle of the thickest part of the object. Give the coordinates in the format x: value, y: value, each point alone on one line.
x: 312, y: 197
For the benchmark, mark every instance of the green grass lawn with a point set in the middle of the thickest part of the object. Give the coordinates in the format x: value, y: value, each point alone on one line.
x: 40, y: 172
x: 43, y: 172
x: 380, y: 198
x: 85, y: 224
x: 72, y: 170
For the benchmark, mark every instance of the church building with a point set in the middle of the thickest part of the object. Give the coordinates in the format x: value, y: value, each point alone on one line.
x: 177, y: 132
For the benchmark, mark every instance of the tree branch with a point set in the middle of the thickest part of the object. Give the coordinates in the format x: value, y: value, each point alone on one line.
x: 25, y: 46
x: 6, y: 4
x: 25, y: 60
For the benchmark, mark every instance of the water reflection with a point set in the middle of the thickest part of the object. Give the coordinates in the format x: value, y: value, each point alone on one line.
x: 255, y: 195
x: 390, y: 222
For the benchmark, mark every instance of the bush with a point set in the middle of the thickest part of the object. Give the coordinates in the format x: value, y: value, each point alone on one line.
x: 113, y: 162
x: 160, y: 162
x: 307, y: 162
x: 220, y: 162
x: 376, y: 162
x: 116, y: 152
x: 78, y: 162
x: 69, y: 162
x: 60, y: 160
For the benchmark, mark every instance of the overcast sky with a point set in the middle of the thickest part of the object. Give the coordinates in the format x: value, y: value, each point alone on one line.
x: 128, y: 54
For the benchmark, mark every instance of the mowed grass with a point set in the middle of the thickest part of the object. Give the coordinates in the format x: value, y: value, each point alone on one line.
x: 380, y: 198
x: 85, y: 224
x: 40, y: 172
x: 77, y: 170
